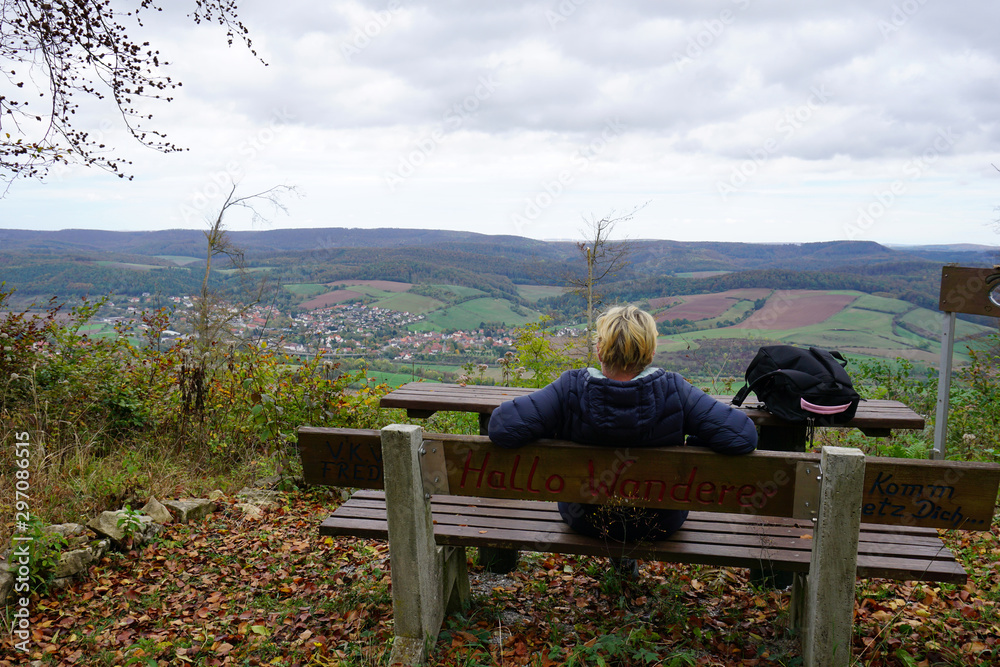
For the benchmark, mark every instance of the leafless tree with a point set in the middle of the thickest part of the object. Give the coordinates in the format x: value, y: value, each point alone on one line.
x: 605, y: 258
x: 55, y: 53
x: 213, y: 314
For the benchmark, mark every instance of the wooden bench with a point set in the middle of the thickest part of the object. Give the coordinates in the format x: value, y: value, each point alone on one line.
x: 771, y: 510
x: 874, y: 418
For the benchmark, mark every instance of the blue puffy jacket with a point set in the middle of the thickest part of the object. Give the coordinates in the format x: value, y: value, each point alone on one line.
x: 654, y: 409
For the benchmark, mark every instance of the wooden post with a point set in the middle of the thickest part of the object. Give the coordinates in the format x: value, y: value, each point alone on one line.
x: 415, y: 561
x: 944, y: 385
x: 829, y: 604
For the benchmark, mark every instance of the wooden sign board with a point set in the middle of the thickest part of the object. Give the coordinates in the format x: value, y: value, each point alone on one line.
x: 971, y: 291
x: 936, y: 494
x: 904, y: 492
x: 350, y: 458
x: 683, y: 478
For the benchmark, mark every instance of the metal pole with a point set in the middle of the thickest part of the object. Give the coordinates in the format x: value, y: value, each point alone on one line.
x: 944, y: 385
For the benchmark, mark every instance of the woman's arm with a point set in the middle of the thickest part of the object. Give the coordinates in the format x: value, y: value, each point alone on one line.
x: 716, y: 425
x: 528, y: 418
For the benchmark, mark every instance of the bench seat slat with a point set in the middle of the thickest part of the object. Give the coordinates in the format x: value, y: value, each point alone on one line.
x: 474, y: 505
x: 741, y: 534
x: 710, y: 538
x: 546, y: 511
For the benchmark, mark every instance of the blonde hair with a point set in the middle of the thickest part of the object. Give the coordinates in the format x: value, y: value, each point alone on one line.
x: 626, y: 338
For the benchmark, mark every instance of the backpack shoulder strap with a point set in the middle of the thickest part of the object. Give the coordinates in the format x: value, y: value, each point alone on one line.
x: 742, y: 394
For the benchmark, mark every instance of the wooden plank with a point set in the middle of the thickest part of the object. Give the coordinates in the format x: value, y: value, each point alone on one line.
x: 428, y: 396
x: 872, y: 567
x: 685, y: 547
x: 738, y: 533
x: 899, y: 536
x: 341, y: 457
x: 743, y: 544
x: 908, y: 492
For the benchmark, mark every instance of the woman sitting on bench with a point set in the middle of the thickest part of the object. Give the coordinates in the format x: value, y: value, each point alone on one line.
x: 627, y: 403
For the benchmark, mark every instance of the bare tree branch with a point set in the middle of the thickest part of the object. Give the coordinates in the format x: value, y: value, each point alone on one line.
x: 56, y: 52
x: 212, y: 316
x: 604, y: 258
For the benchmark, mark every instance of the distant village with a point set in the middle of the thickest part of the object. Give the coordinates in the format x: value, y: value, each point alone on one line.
x: 347, y: 329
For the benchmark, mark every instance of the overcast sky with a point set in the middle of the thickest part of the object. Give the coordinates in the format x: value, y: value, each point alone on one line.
x: 746, y: 120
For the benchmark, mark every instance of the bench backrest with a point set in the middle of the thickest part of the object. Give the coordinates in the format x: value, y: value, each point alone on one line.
x: 912, y: 492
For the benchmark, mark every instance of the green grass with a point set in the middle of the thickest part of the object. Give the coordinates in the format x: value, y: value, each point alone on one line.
x: 536, y: 292
x: 870, y: 326
x: 931, y: 321
x: 414, y: 304
x: 306, y: 290
x: 460, y: 290
x: 367, y: 290
x: 391, y: 379
x: 129, y: 265
x: 883, y: 304
x: 253, y: 269
x: 700, y: 274
x: 441, y: 368
x: 398, y: 301
x: 469, y: 314
x: 180, y: 260
x: 733, y: 313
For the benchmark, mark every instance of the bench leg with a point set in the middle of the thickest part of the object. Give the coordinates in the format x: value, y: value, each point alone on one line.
x: 455, y: 581
x: 797, y: 603
x: 498, y: 561
x: 829, y: 605
x: 416, y: 563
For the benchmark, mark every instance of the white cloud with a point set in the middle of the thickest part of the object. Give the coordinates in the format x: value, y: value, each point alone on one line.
x: 738, y: 119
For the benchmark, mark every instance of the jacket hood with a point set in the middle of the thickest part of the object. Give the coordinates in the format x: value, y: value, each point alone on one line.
x: 631, y: 409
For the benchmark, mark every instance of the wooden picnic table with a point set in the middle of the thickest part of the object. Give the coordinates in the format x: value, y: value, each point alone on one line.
x: 875, y: 418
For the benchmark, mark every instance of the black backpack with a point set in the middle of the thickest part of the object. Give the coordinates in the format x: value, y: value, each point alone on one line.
x: 800, y: 385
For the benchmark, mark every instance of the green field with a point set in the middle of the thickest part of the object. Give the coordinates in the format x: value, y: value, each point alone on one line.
x: 415, y: 304
x: 700, y: 274
x: 871, y: 326
x: 180, y: 260
x: 469, y: 314
x: 391, y: 379
x: 306, y: 290
x: 102, y: 330
x: 253, y: 269
x: 536, y: 292
x: 129, y: 265
x: 460, y: 290
x: 882, y: 304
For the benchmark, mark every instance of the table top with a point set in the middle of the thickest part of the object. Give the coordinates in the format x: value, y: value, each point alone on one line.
x: 430, y: 397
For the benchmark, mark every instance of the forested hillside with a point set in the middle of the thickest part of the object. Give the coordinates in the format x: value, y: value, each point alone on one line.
x: 73, y: 263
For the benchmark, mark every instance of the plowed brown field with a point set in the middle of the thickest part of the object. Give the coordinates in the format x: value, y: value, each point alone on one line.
x: 703, y: 306
x: 330, y: 298
x: 790, y: 309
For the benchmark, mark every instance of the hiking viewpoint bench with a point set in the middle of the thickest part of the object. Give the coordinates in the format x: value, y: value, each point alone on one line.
x: 874, y: 418
x: 432, y: 495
